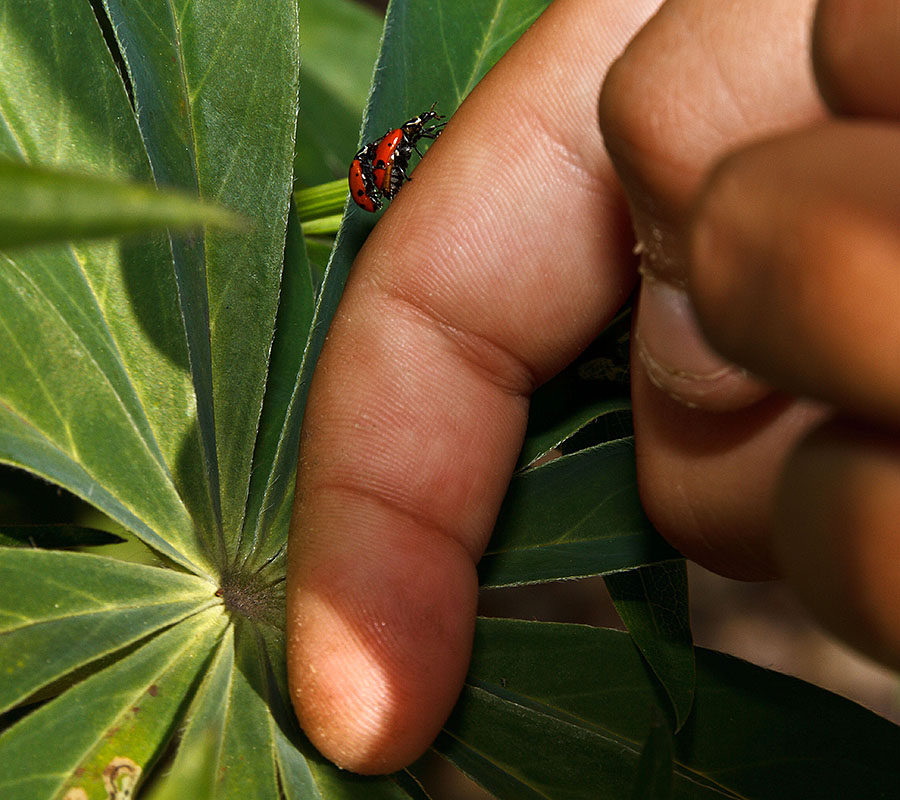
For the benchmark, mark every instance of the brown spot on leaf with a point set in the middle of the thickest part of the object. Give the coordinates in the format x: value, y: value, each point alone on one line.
x: 153, y: 690
x: 120, y: 778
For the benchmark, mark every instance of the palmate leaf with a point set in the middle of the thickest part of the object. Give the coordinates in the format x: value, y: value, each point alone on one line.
x: 169, y: 341
x: 164, y: 379
x: 274, y: 463
x: 111, y: 726
x: 62, y: 610
x: 94, y: 383
x: 215, y: 87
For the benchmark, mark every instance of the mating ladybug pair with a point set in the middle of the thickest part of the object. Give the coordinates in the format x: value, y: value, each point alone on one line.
x: 379, y: 168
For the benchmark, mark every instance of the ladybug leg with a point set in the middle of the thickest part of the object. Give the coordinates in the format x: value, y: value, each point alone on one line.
x: 433, y: 132
x: 403, y: 176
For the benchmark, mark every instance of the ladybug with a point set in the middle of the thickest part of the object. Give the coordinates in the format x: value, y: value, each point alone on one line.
x: 395, y: 148
x: 380, y: 167
x: 362, y: 181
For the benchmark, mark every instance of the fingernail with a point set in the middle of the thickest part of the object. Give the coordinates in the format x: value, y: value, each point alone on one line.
x: 677, y: 358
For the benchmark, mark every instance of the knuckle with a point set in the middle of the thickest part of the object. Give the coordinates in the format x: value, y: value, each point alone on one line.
x: 629, y: 115
x: 648, y: 111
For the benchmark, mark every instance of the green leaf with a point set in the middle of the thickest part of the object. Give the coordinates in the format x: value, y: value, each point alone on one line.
x: 334, y: 85
x: 561, y: 711
x: 59, y: 611
x: 271, y: 494
x: 205, y: 724
x: 107, y: 730
x: 306, y: 775
x: 194, y: 775
x: 231, y: 708
x: 653, y: 780
x: 249, y: 752
x: 54, y: 537
x: 216, y: 93
x: 39, y: 205
x: 96, y: 393
x: 22, y: 445
x: 46, y: 326
x: 653, y: 603
x: 549, y: 426
x: 576, y: 516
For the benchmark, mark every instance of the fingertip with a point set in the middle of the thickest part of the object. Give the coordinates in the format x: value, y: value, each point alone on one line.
x: 677, y: 358
x: 379, y: 642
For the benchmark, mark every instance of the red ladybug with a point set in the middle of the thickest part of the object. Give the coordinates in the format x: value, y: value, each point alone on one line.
x: 380, y: 167
x: 396, y: 147
x: 362, y: 181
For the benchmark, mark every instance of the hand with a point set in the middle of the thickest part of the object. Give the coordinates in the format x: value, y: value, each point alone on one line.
x: 798, y: 238
x: 503, y: 259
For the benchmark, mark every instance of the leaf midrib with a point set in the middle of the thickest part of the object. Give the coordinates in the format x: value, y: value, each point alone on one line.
x: 538, y: 706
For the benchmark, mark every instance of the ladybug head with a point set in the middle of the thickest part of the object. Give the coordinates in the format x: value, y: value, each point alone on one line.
x: 415, y: 126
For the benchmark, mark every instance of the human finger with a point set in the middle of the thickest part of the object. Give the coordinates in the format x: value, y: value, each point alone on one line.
x: 837, y: 526
x: 489, y: 272
x: 795, y: 266
x: 709, y: 81
x: 856, y: 56
x: 812, y: 217
x: 696, y: 83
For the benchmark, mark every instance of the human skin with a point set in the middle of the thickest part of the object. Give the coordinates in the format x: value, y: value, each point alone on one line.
x: 758, y: 214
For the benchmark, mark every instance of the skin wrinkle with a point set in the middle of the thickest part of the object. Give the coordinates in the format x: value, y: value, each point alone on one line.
x: 490, y: 359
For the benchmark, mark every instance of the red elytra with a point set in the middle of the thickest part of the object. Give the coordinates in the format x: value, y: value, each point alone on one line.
x: 380, y: 167
x: 361, y: 180
x: 391, y: 160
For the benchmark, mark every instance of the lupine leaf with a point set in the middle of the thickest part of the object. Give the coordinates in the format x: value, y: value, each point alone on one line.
x: 576, y: 516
